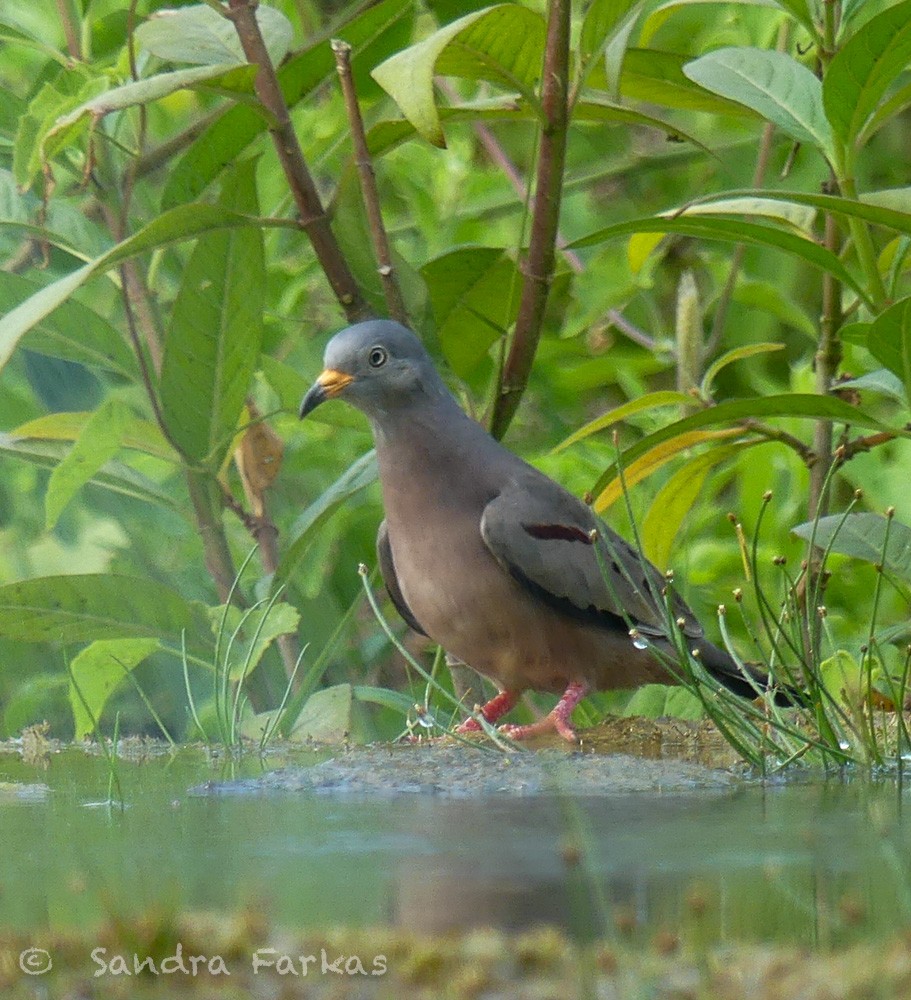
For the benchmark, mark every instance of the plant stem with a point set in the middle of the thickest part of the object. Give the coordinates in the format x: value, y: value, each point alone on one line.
x: 393, y: 294
x: 313, y: 218
x: 538, y: 266
x: 827, y: 360
x: 69, y: 20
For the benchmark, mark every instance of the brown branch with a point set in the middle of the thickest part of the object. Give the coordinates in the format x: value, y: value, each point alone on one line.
x: 70, y: 28
x: 827, y: 360
x: 313, y: 218
x: 393, y: 294
x: 774, y: 434
x: 538, y: 266
x: 845, y: 452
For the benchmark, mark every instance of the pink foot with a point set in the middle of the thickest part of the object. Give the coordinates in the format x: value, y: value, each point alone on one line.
x: 493, y: 710
x: 559, y: 720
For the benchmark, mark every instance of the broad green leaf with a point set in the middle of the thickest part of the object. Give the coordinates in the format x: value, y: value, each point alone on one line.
x: 326, y: 717
x: 731, y: 232
x: 145, y: 91
x: 737, y: 354
x: 896, y: 199
x: 359, y: 474
x: 655, y: 458
x: 773, y: 85
x: 200, y: 35
x: 891, y: 107
x: 98, y: 443
x: 502, y: 44
x: 675, y: 499
x: 97, y: 672
x: 889, y: 341
x: 864, y: 68
x: 258, y: 629
x: 232, y: 132
x: 801, y: 405
x: 882, y: 381
x: 22, y: 31
x: 86, y: 607
x: 871, y: 537
x: 658, y: 78
x: 175, y: 226
x: 114, y: 476
x: 74, y: 331
x: 138, y: 434
x: 597, y: 107
x: 600, y: 20
x: 649, y: 401
x: 213, y: 343
x: 474, y: 301
x: 655, y: 701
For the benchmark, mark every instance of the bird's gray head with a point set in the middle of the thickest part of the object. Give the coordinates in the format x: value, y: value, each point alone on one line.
x: 376, y: 366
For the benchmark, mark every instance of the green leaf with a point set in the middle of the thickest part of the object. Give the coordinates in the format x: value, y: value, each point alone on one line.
x: 804, y: 406
x: 359, y: 474
x: 659, y: 15
x: 600, y: 20
x: 97, y: 672
x: 732, y: 232
x: 138, y: 434
x: 882, y: 381
x: 649, y: 401
x: 258, y: 628
x: 139, y: 92
x: 889, y: 341
x: 799, y: 10
x: 98, y: 443
x: 86, y: 607
x: 503, y: 45
x: 474, y: 301
x: 213, y: 343
x: 737, y: 354
x: 174, y: 226
x: 864, y: 69
x: 74, y: 331
x: 658, y: 78
x: 326, y: 717
x: 200, y: 35
x: 33, y: 147
x: 863, y: 536
x: 114, y: 476
x: 772, y: 84
x: 673, y: 502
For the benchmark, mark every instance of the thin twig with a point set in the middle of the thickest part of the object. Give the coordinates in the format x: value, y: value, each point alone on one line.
x: 313, y: 218
x: 846, y: 451
x: 774, y: 434
x: 393, y: 294
x: 538, y: 267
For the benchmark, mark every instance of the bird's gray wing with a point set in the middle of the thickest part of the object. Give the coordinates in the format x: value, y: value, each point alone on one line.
x: 542, y: 536
x: 387, y: 569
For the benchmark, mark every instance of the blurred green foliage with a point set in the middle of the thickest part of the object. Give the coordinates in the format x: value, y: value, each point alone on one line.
x: 229, y: 314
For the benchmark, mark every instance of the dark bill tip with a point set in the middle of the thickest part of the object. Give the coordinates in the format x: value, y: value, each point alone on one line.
x: 316, y: 394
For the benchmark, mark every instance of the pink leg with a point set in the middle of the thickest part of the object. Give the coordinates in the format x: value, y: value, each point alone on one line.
x: 559, y: 720
x: 492, y: 711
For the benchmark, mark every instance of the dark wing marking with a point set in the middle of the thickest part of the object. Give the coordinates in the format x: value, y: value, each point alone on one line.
x: 387, y: 568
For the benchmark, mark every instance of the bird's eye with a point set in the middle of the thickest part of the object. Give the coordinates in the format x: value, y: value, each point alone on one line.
x: 377, y: 357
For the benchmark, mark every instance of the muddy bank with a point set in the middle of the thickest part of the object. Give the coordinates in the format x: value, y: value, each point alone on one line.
x: 458, y: 771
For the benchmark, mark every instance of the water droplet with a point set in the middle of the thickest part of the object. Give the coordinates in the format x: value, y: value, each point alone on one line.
x: 426, y: 720
x: 640, y: 643
x: 844, y: 745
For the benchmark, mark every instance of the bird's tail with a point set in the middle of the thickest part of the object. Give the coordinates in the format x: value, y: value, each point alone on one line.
x: 745, y: 682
